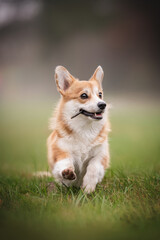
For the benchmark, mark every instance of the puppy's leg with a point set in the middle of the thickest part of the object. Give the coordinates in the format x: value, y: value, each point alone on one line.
x: 94, y: 174
x: 63, y: 171
x: 96, y: 167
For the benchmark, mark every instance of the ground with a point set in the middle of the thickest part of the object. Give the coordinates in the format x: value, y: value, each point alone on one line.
x: 126, y: 205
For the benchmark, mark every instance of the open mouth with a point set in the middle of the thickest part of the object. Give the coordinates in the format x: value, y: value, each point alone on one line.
x: 96, y: 115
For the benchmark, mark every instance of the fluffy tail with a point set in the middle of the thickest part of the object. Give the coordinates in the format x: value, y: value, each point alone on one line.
x: 42, y: 174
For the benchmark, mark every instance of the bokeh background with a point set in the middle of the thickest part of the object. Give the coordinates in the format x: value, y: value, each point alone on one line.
x: 37, y: 35
x: 123, y: 37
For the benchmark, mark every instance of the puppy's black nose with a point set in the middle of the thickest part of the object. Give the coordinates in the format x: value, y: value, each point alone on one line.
x: 101, y: 105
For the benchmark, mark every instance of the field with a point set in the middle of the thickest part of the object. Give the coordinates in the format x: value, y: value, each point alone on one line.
x: 126, y: 205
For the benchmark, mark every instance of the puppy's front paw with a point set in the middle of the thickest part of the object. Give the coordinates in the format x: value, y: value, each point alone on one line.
x: 89, y: 187
x: 68, y: 174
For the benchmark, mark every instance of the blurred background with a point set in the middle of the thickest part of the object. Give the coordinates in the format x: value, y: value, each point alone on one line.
x: 37, y: 35
x: 123, y: 37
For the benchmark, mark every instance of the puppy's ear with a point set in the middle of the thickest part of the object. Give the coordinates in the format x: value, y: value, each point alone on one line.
x: 98, y: 75
x: 63, y: 79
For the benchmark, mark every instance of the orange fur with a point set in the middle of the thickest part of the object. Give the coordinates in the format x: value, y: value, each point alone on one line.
x: 105, y: 162
x: 57, y: 153
x: 71, y: 90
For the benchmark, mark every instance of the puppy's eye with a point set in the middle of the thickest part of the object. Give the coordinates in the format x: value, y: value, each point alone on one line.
x: 84, y: 96
x: 100, y: 94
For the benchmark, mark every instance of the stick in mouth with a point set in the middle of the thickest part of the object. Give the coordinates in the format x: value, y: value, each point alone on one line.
x: 80, y: 111
x: 97, y: 115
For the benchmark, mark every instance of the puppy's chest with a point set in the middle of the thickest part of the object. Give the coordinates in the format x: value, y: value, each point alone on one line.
x: 80, y: 149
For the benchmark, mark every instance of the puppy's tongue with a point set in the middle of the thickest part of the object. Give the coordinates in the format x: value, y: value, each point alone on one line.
x: 98, y: 114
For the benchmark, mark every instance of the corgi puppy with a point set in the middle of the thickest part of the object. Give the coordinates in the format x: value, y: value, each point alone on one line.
x: 78, y: 151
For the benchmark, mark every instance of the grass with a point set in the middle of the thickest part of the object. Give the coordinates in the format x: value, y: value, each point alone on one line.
x: 126, y: 205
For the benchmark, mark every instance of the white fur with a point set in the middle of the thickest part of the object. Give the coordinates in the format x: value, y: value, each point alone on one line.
x: 58, y: 169
x: 85, y: 153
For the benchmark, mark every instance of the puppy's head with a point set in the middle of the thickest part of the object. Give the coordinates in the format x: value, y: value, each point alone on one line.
x: 83, y: 98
